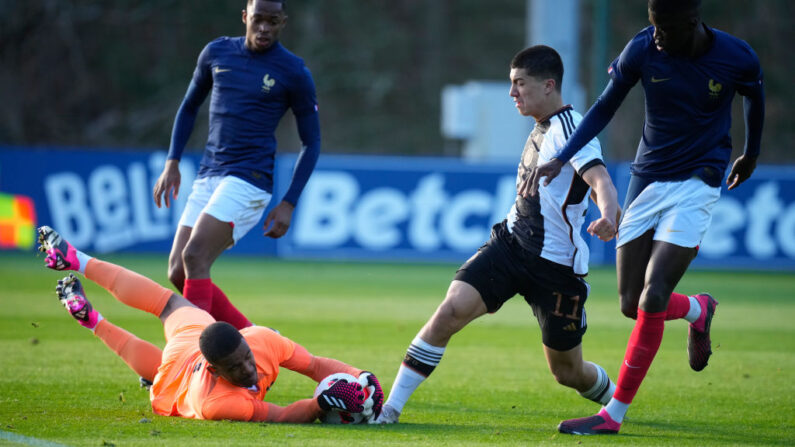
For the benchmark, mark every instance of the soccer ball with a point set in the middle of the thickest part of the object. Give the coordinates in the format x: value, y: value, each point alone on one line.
x: 344, y: 417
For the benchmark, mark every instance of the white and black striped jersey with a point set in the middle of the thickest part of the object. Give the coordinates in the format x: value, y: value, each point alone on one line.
x: 548, y: 224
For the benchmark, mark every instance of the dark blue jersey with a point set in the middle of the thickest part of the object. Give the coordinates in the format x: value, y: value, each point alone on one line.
x: 688, y: 107
x: 688, y: 104
x: 250, y: 94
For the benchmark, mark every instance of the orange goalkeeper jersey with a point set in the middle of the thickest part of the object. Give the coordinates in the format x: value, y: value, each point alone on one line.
x: 185, y: 387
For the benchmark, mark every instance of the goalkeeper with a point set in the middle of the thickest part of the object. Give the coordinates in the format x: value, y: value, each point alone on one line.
x: 208, y: 369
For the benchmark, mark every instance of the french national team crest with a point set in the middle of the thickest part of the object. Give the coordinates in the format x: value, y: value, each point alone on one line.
x: 267, y: 83
x: 714, y: 89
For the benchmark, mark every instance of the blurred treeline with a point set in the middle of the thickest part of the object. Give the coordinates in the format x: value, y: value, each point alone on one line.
x: 111, y: 74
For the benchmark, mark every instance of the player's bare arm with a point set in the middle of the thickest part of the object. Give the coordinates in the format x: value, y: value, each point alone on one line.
x: 167, y: 185
x: 278, y: 221
x: 606, y: 197
x: 596, y: 200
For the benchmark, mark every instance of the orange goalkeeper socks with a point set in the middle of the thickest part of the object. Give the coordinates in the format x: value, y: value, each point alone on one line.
x: 129, y: 287
x: 143, y: 357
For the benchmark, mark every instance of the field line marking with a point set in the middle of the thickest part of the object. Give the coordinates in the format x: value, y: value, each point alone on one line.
x: 19, y: 439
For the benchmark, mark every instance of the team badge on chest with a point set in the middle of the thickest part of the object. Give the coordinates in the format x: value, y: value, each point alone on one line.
x: 267, y: 83
x: 714, y: 89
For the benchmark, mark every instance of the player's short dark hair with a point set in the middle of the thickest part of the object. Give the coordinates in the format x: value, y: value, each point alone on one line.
x: 218, y: 340
x: 674, y: 6
x: 540, y: 62
x: 283, y: 2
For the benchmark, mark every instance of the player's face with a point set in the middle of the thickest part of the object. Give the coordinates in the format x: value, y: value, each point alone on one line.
x: 530, y: 93
x: 674, y: 33
x: 264, y: 21
x: 239, y: 367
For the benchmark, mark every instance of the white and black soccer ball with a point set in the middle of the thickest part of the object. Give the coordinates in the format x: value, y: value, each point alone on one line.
x: 344, y: 417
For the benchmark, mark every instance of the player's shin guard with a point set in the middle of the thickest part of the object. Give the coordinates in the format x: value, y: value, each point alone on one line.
x: 141, y: 356
x: 129, y: 287
x: 602, y: 390
x: 420, y: 361
x: 641, y: 349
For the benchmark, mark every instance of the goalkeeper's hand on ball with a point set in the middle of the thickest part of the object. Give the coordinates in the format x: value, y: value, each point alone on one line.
x: 367, y: 378
x: 342, y: 396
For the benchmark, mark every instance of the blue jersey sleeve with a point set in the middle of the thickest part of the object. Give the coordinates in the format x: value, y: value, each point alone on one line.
x: 303, y: 102
x: 751, y: 87
x: 627, y: 67
x: 595, y: 120
x: 198, y: 89
x: 624, y: 71
x: 309, y: 131
x: 303, y: 99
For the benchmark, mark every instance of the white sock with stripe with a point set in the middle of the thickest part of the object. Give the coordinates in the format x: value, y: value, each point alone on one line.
x: 602, y: 390
x: 421, y: 359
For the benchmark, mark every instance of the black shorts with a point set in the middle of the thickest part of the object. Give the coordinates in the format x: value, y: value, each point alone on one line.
x: 502, y: 268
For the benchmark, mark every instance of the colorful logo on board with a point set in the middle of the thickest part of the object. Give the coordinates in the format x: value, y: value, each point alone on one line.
x: 17, y: 222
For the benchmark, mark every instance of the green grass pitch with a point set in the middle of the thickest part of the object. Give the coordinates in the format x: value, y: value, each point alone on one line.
x: 59, y: 384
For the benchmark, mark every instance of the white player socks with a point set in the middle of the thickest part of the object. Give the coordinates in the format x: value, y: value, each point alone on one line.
x: 603, y: 389
x: 617, y: 410
x: 421, y: 359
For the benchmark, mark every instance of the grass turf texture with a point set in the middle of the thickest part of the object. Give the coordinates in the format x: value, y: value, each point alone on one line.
x: 59, y: 383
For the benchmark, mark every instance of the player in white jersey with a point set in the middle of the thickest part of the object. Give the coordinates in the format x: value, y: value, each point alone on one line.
x: 536, y: 252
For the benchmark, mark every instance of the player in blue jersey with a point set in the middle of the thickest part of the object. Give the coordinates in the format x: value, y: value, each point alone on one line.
x: 690, y: 73
x: 537, y: 251
x: 252, y: 81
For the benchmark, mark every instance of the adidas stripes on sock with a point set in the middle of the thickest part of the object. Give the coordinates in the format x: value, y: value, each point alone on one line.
x: 602, y: 390
x: 420, y: 361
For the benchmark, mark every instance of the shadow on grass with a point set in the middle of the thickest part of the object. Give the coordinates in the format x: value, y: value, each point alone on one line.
x: 722, y: 434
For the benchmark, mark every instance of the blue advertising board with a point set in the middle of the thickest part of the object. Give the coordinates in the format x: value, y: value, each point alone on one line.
x: 102, y: 200
x: 398, y: 208
x: 414, y: 209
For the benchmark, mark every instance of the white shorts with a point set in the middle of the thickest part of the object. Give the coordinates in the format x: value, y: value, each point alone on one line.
x: 228, y: 199
x: 680, y: 212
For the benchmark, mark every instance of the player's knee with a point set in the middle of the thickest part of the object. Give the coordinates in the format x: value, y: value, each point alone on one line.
x: 655, y: 298
x: 193, y: 257
x: 630, y: 310
x: 176, y: 275
x: 629, y: 303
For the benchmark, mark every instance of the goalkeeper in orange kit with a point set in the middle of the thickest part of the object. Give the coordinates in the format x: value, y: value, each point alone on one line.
x: 208, y: 369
